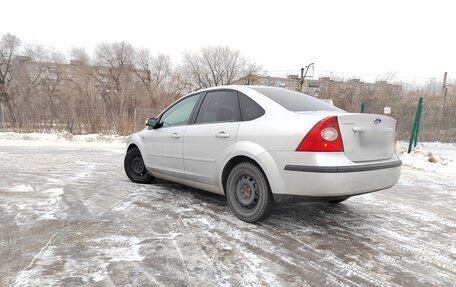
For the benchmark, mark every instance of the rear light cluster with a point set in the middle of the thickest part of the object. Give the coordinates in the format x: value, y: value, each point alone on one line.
x: 324, y: 136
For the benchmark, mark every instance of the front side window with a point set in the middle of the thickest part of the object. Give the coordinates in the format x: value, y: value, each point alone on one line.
x: 179, y: 114
x: 219, y: 106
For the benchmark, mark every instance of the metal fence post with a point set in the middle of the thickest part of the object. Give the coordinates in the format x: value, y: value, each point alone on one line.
x: 420, y: 109
x: 414, y: 133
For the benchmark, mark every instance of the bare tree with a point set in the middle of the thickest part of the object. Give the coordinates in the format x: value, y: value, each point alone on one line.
x: 30, y: 70
x: 51, y: 85
x: 9, y: 44
x: 154, y: 72
x: 251, y: 74
x: 118, y: 57
x: 213, y: 66
x: 83, y: 105
x: 115, y: 80
x: 389, y: 77
x: 79, y: 56
x: 41, y: 90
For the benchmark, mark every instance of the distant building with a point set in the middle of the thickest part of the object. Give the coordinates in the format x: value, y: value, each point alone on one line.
x: 291, y: 82
x: 324, y: 87
x: 347, y: 95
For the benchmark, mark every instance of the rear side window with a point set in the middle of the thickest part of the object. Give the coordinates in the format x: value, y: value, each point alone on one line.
x: 249, y: 108
x: 294, y: 101
x: 219, y: 106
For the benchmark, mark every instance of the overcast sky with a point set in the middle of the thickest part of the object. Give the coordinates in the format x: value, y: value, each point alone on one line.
x: 416, y: 39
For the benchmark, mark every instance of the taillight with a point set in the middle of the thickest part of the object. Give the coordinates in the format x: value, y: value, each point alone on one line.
x: 324, y: 136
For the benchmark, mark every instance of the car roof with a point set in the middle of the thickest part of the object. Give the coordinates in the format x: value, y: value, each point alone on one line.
x: 238, y: 87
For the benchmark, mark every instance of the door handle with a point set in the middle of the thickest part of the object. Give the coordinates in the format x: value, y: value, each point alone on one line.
x: 222, y: 135
x: 175, y: 136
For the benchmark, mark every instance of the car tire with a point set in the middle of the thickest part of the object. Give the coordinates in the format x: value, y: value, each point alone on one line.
x: 135, y: 168
x: 336, y: 201
x: 248, y: 193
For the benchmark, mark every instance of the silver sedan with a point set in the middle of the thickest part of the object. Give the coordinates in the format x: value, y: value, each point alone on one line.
x: 262, y: 146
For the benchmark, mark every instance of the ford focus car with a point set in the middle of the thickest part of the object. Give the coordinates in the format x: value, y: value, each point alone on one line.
x: 262, y: 146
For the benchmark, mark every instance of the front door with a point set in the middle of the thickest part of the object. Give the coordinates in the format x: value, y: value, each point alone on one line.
x: 164, y: 145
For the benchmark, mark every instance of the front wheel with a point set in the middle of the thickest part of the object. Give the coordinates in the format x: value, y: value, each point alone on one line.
x: 135, y: 168
x: 248, y: 193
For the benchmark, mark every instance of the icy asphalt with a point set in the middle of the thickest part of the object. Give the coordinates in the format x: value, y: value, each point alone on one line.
x: 70, y: 217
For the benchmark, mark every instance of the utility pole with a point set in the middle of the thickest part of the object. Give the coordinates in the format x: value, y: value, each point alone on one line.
x: 301, y: 83
x: 304, y: 74
x: 444, y: 92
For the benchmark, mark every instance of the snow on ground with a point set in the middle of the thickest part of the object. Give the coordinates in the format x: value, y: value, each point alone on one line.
x: 70, y: 217
x: 445, y: 150
x: 61, y: 139
x: 431, y: 157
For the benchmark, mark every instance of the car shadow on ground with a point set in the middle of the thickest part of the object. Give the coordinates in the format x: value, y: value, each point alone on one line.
x: 304, y: 212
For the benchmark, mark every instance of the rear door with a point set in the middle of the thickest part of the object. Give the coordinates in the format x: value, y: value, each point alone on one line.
x: 211, y: 138
x: 367, y: 137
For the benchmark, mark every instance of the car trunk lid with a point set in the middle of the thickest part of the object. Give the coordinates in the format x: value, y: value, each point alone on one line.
x: 367, y: 137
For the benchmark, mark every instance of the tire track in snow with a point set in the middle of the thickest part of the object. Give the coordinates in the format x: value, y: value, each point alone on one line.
x: 299, y: 265
x: 353, y: 268
x: 198, y: 240
x: 444, y: 263
x: 413, y: 245
x: 190, y: 223
x: 352, y: 229
x: 23, y: 275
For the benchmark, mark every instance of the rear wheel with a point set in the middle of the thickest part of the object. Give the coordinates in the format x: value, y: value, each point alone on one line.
x: 248, y: 193
x: 336, y: 201
x: 135, y: 168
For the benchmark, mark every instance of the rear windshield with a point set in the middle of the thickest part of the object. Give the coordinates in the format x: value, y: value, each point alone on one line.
x: 294, y: 101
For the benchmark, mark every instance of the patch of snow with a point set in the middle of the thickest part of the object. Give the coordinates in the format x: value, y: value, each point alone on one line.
x: 101, y: 274
x: 184, y: 210
x: 121, y: 207
x: 84, y: 169
x: 428, y: 157
x: 21, y: 188
x: 95, y: 270
x: 166, y: 236
x: 47, y: 208
x: 204, y: 221
x: 60, y: 139
x: 445, y: 150
x: 120, y: 248
x: 256, y: 266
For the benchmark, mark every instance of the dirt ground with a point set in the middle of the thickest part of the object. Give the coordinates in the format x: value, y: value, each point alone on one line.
x: 70, y: 217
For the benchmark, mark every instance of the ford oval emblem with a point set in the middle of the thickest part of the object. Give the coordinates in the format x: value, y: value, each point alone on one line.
x: 377, y: 121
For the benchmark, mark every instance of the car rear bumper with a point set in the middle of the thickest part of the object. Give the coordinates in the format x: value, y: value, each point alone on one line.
x: 343, y: 169
x: 328, y: 176
x: 339, y: 183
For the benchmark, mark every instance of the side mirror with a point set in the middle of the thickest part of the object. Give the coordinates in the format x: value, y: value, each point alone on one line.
x: 152, y: 122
